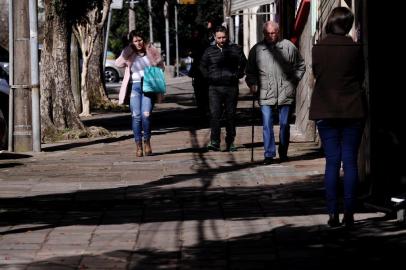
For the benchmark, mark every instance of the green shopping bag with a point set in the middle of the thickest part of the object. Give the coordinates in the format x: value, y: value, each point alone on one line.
x: 154, y: 80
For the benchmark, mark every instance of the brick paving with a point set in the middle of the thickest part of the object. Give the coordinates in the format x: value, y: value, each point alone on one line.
x: 92, y: 204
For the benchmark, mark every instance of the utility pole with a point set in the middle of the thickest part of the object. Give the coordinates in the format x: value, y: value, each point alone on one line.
x: 106, y: 38
x: 36, y: 115
x: 151, y: 35
x: 237, y: 28
x: 166, y: 15
x: 115, y: 4
x: 131, y: 15
x: 176, y: 39
x: 21, y: 78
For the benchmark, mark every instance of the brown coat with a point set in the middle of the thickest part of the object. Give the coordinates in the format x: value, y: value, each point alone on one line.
x: 338, y: 67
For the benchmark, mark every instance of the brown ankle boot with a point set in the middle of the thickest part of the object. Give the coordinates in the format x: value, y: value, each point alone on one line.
x: 139, y: 149
x: 147, y: 147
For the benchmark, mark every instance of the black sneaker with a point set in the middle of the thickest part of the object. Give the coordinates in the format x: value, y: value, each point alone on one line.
x: 213, y: 146
x: 268, y: 161
x: 283, y: 158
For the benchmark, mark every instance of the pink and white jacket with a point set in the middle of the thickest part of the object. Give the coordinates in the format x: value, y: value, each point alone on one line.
x: 126, y: 60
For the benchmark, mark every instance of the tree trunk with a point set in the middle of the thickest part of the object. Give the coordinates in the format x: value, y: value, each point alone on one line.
x: 57, y: 106
x: 226, y: 11
x: 87, y: 31
x: 96, y: 87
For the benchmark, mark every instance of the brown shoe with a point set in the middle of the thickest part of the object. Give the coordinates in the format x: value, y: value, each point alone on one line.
x: 147, y: 148
x: 139, y: 149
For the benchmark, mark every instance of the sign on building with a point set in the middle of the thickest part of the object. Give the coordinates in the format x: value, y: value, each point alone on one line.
x: 116, y: 4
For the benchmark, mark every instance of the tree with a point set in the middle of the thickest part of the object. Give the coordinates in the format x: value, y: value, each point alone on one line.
x: 210, y: 10
x: 4, y: 23
x: 88, y: 25
x: 117, y: 37
x: 57, y: 106
x: 96, y: 87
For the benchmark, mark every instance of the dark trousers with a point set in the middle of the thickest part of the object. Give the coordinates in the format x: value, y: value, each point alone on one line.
x: 201, y: 90
x: 341, y: 139
x: 223, y: 98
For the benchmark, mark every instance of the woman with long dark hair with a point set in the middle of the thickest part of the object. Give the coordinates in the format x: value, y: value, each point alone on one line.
x: 339, y: 109
x: 135, y: 57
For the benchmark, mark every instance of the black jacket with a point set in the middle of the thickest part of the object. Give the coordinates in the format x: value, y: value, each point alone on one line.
x: 223, y: 67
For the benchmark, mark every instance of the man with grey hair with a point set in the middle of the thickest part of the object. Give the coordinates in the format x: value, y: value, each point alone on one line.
x: 273, y: 72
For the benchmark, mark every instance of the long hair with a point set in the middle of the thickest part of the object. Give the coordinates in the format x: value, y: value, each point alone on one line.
x: 133, y: 34
x: 340, y: 21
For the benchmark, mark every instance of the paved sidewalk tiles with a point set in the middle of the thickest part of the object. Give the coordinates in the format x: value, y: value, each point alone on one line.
x: 92, y: 204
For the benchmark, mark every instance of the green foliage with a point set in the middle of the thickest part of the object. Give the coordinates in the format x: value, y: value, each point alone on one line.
x: 189, y: 17
x: 118, y: 30
x: 79, y: 12
x: 210, y: 10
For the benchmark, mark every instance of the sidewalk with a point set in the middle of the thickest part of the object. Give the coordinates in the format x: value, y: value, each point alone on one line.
x: 92, y: 204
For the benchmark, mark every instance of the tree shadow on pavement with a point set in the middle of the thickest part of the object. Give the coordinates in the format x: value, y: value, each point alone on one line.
x: 201, y: 213
x: 77, y: 143
x: 288, y: 247
x: 254, y: 238
x: 9, y: 155
x: 229, y: 219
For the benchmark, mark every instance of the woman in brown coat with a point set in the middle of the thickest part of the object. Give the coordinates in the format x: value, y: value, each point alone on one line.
x: 338, y: 107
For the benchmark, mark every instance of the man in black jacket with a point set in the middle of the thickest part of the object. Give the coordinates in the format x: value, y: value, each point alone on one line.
x: 223, y: 64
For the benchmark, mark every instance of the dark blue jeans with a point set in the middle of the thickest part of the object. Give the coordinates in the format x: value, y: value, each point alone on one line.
x: 223, y: 97
x: 268, y: 133
x: 341, y: 139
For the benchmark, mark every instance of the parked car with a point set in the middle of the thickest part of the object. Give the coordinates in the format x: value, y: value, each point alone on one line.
x: 4, y: 93
x: 5, y: 66
x: 112, y: 73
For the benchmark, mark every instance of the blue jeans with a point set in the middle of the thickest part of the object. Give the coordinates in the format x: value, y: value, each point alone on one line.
x: 141, y: 107
x: 341, y: 139
x: 268, y: 134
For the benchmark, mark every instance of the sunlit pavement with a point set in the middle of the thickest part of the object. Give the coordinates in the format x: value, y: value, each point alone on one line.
x: 92, y: 204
